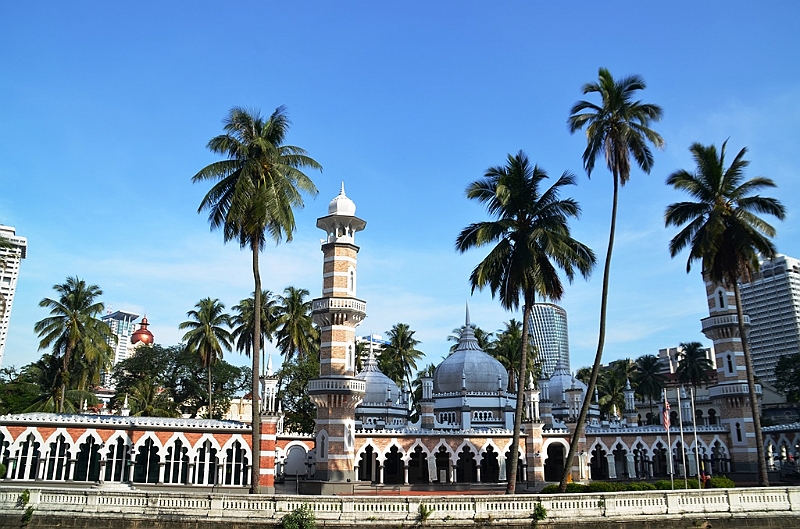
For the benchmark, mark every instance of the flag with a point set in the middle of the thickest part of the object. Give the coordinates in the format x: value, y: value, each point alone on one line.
x: 666, y: 413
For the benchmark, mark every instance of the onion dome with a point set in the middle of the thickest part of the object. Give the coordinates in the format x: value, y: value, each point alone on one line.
x: 379, y: 387
x: 562, y: 381
x: 470, y: 368
x: 341, y: 205
x: 142, y: 334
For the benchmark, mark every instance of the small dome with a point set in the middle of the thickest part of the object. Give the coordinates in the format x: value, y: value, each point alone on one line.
x: 469, y: 366
x: 379, y: 387
x: 562, y: 380
x: 142, y: 334
x: 341, y: 205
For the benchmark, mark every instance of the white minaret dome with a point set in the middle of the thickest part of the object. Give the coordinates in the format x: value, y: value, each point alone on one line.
x: 341, y: 205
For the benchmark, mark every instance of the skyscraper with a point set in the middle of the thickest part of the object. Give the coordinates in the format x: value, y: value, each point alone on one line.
x: 122, y: 326
x: 549, y: 335
x: 9, y: 271
x: 772, y: 300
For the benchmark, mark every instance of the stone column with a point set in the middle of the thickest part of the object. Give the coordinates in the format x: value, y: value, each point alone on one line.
x: 161, y: 467
x: 405, y: 474
x: 380, y: 474
x: 478, y: 473
x: 71, y: 469
x: 612, y: 466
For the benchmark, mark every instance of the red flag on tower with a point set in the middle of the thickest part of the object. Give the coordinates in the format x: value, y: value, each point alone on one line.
x: 665, y: 413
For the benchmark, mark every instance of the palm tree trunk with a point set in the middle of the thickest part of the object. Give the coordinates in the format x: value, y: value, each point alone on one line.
x: 64, y: 371
x: 210, y: 404
x: 763, y: 478
x: 255, y: 473
x: 523, y: 365
x: 255, y: 467
x: 579, y: 425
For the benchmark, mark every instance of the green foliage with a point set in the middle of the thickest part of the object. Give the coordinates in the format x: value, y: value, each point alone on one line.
x: 694, y: 366
x: 549, y: 489
x: 424, y: 512
x: 300, y: 518
x: 573, y: 488
x: 26, y: 516
x: 539, y: 512
x: 787, y: 372
x: 79, y: 338
x: 604, y: 486
x: 293, y: 378
x: 721, y: 482
x: 664, y: 484
x: 24, y: 498
x: 399, y: 359
x: 296, y: 334
x: 169, y: 381
x: 640, y: 486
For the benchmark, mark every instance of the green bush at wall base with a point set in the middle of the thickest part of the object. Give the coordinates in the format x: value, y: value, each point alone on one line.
x: 300, y: 518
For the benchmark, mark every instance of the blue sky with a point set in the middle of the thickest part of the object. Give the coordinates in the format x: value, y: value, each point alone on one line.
x: 106, y: 108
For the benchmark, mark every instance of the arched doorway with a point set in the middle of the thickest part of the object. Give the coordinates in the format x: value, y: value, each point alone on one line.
x: 660, y: 468
x: 490, y: 468
x: 295, y: 464
x: 599, y: 464
x: 418, y: 466
x: 443, y: 465
x: 466, y: 467
x: 520, y: 467
x: 554, y: 464
x: 368, y: 465
x: 393, y: 467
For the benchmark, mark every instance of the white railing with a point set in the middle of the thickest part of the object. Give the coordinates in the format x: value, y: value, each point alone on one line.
x: 335, y: 384
x: 324, y: 304
x: 347, y: 511
x: 739, y: 388
x: 723, y: 321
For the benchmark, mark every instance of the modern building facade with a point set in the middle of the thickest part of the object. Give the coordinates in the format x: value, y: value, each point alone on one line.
x: 549, y: 335
x: 772, y: 300
x: 9, y: 272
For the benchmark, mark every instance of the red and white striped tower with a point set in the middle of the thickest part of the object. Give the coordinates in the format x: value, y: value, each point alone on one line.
x: 731, y: 392
x: 337, y: 391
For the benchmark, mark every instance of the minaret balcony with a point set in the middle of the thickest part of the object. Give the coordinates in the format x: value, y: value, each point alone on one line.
x: 732, y: 389
x: 337, y: 385
x: 726, y: 321
x: 338, y: 311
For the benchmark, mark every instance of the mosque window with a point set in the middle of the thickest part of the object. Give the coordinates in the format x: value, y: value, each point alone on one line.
x: 720, y: 299
x: 738, y: 432
x: 730, y: 364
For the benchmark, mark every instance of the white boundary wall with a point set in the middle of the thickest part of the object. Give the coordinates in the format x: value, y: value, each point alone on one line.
x: 401, y: 510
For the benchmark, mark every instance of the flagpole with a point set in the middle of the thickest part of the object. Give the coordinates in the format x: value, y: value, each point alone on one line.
x: 683, y: 443
x: 696, y: 448
x: 665, y: 415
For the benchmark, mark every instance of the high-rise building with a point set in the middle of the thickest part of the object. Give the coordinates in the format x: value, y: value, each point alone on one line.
x: 122, y: 327
x: 549, y: 335
x: 772, y: 300
x: 10, y: 258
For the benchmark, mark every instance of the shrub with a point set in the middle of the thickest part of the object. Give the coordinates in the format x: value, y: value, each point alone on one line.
x: 640, y: 486
x: 663, y: 484
x: 539, y: 512
x: 721, y: 482
x: 550, y: 489
x: 600, y: 486
x: 573, y: 488
x: 300, y: 518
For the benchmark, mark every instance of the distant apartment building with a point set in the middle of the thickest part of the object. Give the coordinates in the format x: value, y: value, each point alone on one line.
x: 670, y: 357
x: 9, y: 272
x: 772, y: 301
x: 549, y: 335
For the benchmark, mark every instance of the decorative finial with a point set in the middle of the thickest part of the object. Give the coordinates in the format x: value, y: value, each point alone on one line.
x: 467, y: 324
x: 342, y: 190
x: 269, y: 365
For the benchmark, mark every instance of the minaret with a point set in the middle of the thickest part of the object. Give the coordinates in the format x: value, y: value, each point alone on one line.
x: 337, y: 392
x: 731, y: 393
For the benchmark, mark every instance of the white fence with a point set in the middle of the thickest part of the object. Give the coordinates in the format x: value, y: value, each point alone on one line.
x: 397, y: 511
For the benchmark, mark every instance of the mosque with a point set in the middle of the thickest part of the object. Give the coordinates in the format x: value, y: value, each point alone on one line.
x: 364, y: 429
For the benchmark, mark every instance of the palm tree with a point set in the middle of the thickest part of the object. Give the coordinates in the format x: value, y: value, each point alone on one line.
x: 506, y: 349
x: 73, y: 329
x: 693, y: 364
x: 207, y: 337
x: 649, y: 380
x: 723, y: 231
x: 296, y: 334
x: 611, y: 384
x: 533, y: 240
x: 484, y: 338
x: 256, y: 187
x: 615, y: 129
x: 399, y: 358
x: 244, y: 320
